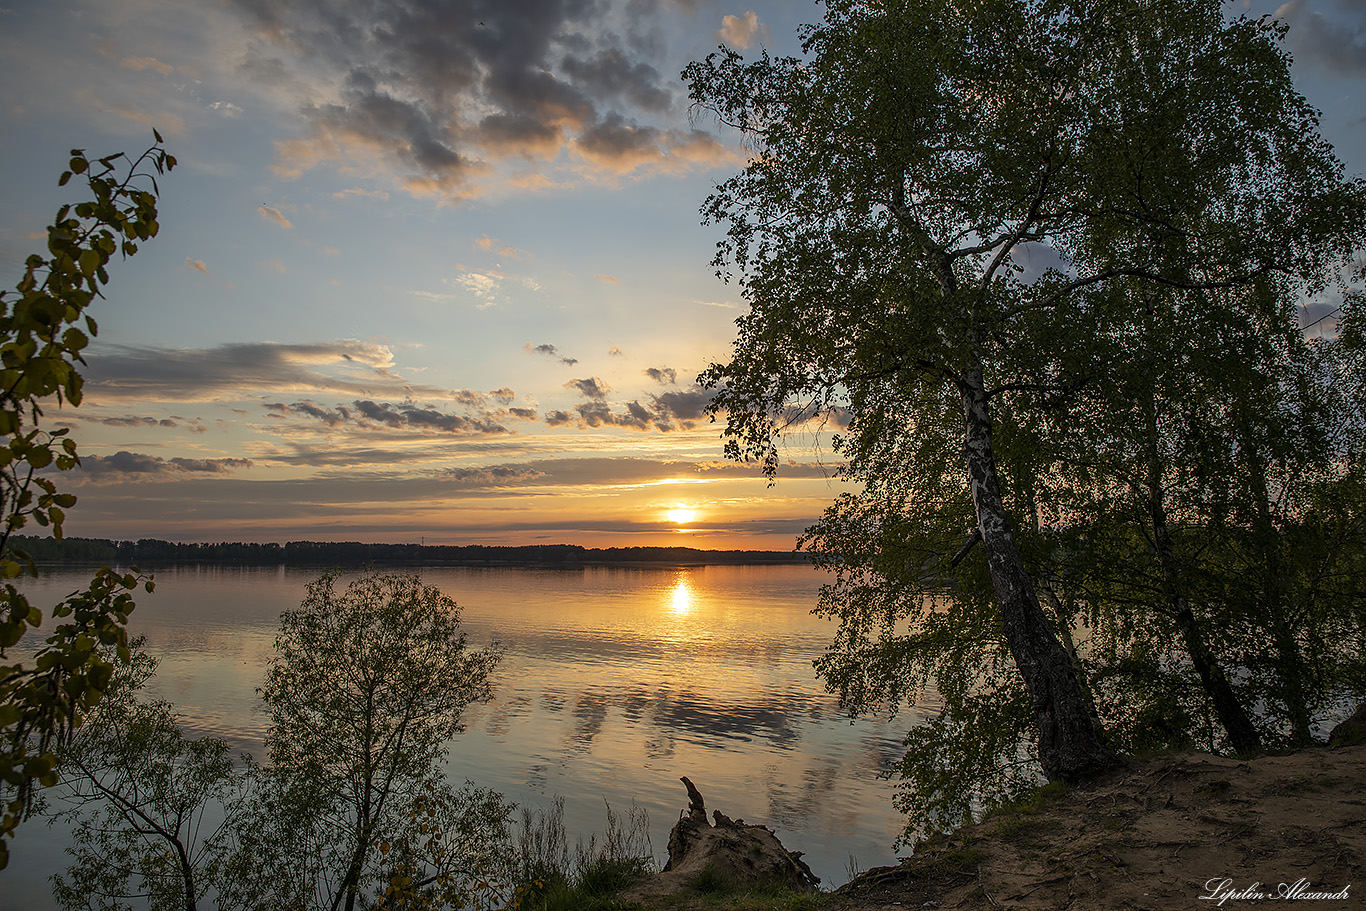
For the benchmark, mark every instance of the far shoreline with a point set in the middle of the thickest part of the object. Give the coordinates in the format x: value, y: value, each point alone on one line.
x: 152, y: 553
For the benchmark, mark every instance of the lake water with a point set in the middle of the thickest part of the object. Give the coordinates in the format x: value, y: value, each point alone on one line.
x: 616, y: 681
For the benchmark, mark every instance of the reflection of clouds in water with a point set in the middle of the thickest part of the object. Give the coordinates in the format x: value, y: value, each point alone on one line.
x: 709, y: 719
x: 499, y: 716
x: 698, y: 717
x: 554, y: 701
x: 660, y: 746
x: 808, y: 804
x: 590, y: 713
x: 536, y: 777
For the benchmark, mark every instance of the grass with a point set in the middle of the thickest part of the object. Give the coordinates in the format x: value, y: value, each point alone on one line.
x: 1020, y: 818
x: 587, y: 876
x: 711, y: 892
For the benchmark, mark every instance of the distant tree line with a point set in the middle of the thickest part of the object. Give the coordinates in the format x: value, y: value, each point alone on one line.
x: 149, y: 552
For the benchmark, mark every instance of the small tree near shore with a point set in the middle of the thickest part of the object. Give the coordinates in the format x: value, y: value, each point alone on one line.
x: 366, y: 689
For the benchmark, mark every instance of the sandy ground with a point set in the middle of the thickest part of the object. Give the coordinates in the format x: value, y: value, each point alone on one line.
x: 1189, y: 831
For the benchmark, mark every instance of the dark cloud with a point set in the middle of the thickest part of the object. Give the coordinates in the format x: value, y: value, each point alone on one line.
x: 592, y: 387
x: 1336, y: 42
x: 665, y: 376
x: 550, y: 351
x: 330, y: 418
x: 619, y: 144
x: 611, y: 73
x: 382, y: 414
x: 667, y: 412
x: 125, y: 373
x: 492, y: 476
x: 684, y: 406
x: 413, y: 417
x: 136, y: 421
x: 407, y: 415
x: 411, y: 75
x: 600, y: 414
x: 136, y: 463
x: 349, y: 457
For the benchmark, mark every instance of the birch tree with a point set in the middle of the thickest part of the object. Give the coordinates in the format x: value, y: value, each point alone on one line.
x: 934, y: 183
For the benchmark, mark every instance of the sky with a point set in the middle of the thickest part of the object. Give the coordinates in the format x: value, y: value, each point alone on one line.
x: 428, y: 271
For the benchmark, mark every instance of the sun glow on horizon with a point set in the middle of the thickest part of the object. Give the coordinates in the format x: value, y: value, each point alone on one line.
x: 681, y: 515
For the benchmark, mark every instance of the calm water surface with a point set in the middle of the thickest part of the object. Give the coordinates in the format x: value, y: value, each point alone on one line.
x: 616, y: 681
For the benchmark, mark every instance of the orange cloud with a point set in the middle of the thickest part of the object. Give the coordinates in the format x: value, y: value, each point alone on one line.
x: 742, y: 31
x: 138, y: 64
x: 270, y: 213
x: 356, y: 191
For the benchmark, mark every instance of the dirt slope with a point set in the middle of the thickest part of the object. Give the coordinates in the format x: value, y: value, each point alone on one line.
x: 1157, y: 835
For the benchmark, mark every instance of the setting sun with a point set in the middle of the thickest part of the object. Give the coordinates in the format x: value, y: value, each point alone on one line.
x: 682, y: 515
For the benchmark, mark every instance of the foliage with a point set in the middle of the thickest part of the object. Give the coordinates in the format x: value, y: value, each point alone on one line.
x: 454, y: 852
x: 1044, y: 258
x: 366, y: 689
x: 44, y: 327
x: 150, y: 809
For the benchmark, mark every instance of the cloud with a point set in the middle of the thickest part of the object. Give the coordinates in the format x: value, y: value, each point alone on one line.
x: 135, y: 463
x: 165, y: 122
x: 241, y: 371
x: 607, y: 279
x: 270, y: 213
x: 620, y: 145
x: 1337, y: 44
x: 352, y: 192
x: 685, y: 406
x: 614, y: 351
x: 226, y: 108
x: 484, y: 242
x: 197, y: 265
x: 332, y: 418
x: 667, y: 412
x: 481, y: 285
x: 665, y: 376
x: 138, y: 64
x: 551, y: 351
x: 367, y: 413
x: 612, y: 74
x: 433, y: 95
x: 593, y: 387
x: 743, y: 31
x: 493, y: 476
x: 138, y: 421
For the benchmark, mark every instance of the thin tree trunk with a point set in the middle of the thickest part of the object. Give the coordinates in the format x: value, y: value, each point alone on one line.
x: 1290, y: 659
x: 1241, y: 733
x: 186, y: 874
x: 1071, y: 747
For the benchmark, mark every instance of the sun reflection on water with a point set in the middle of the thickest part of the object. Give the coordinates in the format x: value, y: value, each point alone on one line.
x: 682, y: 597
